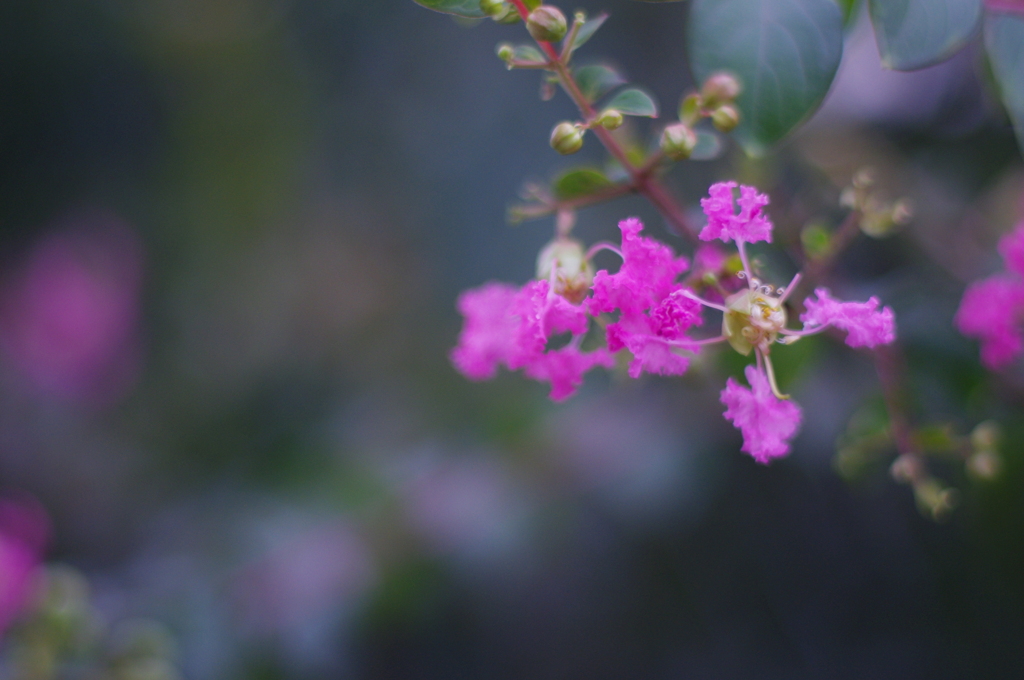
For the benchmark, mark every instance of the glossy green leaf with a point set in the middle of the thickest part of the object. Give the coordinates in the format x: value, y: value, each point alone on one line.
x: 709, y: 146
x: 1004, y: 41
x: 785, y: 53
x: 587, y: 31
x: 913, y: 34
x: 579, y: 182
x: 633, y: 102
x: 463, y: 8
x: 596, y: 80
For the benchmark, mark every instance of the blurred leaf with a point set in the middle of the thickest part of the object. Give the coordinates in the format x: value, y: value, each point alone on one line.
x: 849, y: 8
x: 579, y: 182
x: 528, y: 53
x: 633, y: 102
x: 463, y: 8
x: 1004, y: 40
x: 709, y: 146
x: 596, y: 81
x: 785, y: 53
x: 587, y: 31
x: 912, y: 34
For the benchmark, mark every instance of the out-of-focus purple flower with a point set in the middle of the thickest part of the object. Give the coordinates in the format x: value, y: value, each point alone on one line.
x: 992, y: 310
x: 865, y: 324
x: 24, y: 532
x: 748, y: 225
x: 312, y: 574
x: 766, y: 422
x: 69, y: 311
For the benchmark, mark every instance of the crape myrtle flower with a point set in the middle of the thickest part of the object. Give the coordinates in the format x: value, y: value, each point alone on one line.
x: 992, y: 310
x: 646, y: 310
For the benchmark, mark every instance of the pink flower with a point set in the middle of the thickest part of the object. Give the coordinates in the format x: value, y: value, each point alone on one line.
x: 654, y: 339
x: 24, y: 532
x: 486, y: 337
x: 564, y: 369
x: 510, y: 326
x: 865, y: 324
x: 749, y: 225
x: 991, y: 310
x: 647, y: 275
x: 766, y: 422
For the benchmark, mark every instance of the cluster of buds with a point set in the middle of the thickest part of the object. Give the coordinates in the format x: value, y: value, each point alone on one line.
x: 878, y: 218
x: 647, y: 313
x: 715, y: 101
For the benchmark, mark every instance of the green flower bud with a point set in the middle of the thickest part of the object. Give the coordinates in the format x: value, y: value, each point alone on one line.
x: 493, y: 8
x: 678, y: 141
x: 565, y: 261
x: 547, y: 24
x: 726, y: 117
x: 689, y: 108
x: 610, y: 119
x: 566, y: 138
x: 505, y: 52
x: 720, y: 88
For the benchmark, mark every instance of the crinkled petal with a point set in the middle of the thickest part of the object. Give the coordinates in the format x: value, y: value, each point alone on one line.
x: 1011, y: 247
x: 864, y: 323
x: 541, y: 315
x: 565, y: 368
x: 647, y: 275
x: 766, y: 422
x: 486, y: 339
x: 991, y: 310
x: 749, y: 225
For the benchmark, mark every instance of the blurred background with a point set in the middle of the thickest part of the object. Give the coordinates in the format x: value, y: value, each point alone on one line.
x: 231, y: 237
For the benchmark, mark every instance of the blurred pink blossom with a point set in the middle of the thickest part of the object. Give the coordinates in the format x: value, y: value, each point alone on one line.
x: 69, y: 310
x: 24, y: 532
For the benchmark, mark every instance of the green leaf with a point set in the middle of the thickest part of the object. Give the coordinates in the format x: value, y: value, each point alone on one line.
x: 596, y: 81
x: 1004, y: 41
x: 528, y: 53
x: 785, y: 53
x: 579, y: 182
x: 463, y: 8
x: 587, y: 31
x: 913, y: 34
x: 633, y: 102
x: 709, y: 146
x: 849, y: 8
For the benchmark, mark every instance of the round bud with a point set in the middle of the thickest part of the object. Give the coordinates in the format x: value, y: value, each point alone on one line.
x: 726, y: 117
x: 505, y: 52
x: 610, y: 119
x: 547, y: 24
x: 720, y: 88
x: 564, y: 261
x: 566, y: 138
x: 678, y: 141
x: 493, y: 7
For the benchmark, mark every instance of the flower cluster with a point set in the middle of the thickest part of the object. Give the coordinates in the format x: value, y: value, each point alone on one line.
x: 646, y: 311
x: 992, y: 309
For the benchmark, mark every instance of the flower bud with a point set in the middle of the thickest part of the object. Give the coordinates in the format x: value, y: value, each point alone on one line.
x: 689, y: 108
x: 547, y: 24
x: 678, y: 141
x: 493, y: 8
x: 566, y: 138
x: 725, y: 118
x: 564, y: 261
x: 610, y: 119
x: 720, y: 88
x: 505, y: 52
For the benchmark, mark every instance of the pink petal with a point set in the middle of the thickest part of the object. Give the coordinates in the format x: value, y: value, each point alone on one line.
x: 487, y: 333
x: 991, y: 310
x: 766, y: 422
x: 749, y: 225
x: 865, y: 324
x: 564, y: 369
